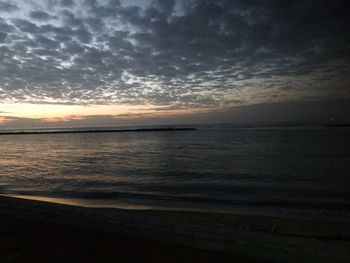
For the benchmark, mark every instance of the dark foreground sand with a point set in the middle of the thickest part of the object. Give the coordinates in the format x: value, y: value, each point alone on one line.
x: 27, y: 240
x: 32, y: 231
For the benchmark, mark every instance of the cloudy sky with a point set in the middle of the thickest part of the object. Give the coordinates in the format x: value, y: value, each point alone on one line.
x: 115, y: 62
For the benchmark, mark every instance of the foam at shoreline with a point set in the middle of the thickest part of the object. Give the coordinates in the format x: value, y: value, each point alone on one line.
x: 105, y: 203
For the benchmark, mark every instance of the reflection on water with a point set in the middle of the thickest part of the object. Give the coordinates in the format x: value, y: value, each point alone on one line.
x: 265, y: 167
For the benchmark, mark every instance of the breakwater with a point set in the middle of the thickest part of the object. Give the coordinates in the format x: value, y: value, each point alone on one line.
x: 95, y: 131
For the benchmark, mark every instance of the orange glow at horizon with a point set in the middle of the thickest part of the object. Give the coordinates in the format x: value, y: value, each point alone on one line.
x: 51, y: 113
x: 3, y: 120
x: 47, y: 111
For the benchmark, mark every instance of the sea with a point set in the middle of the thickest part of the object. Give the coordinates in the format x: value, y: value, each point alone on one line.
x: 222, y: 168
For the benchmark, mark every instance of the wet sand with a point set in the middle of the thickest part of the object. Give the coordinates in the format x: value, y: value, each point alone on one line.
x: 34, y: 231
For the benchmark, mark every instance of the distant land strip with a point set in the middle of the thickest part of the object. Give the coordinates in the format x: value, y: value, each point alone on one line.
x: 338, y: 125
x: 98, y: 131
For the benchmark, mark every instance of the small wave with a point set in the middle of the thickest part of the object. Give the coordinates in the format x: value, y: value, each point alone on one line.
x: 156, y: 199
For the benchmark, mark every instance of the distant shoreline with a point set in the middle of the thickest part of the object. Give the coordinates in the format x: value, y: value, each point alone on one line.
x: 98, y: 131
x: 338, y: 125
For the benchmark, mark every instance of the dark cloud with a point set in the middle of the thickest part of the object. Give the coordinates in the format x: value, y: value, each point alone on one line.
x: 7, y: 7
x: 2, y: 36
x: 4, y: 27
x: 190, y: 54
x: 39, y: 15
x: 46, y: 43
x: 25, y: 26
x: 166, y: 7
x: 67, y: 3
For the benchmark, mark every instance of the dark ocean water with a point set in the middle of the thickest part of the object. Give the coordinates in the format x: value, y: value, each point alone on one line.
x: 221, y: 167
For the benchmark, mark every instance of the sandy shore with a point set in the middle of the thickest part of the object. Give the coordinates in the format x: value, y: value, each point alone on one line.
x: 34, y: 231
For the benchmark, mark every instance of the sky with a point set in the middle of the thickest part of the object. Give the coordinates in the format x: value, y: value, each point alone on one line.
x: 111, y: 62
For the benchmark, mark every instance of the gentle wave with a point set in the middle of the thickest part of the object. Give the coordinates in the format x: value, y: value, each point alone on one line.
x: 267, y: 168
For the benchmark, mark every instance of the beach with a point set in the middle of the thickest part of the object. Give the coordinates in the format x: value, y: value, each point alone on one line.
x: 29, y: 239
x: 37, y: 231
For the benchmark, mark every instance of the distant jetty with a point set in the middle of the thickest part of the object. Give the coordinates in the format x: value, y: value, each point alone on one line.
x: 96, y: 131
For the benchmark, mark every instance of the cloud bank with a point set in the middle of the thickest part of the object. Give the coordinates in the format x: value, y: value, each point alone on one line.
x: 198, y: 54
